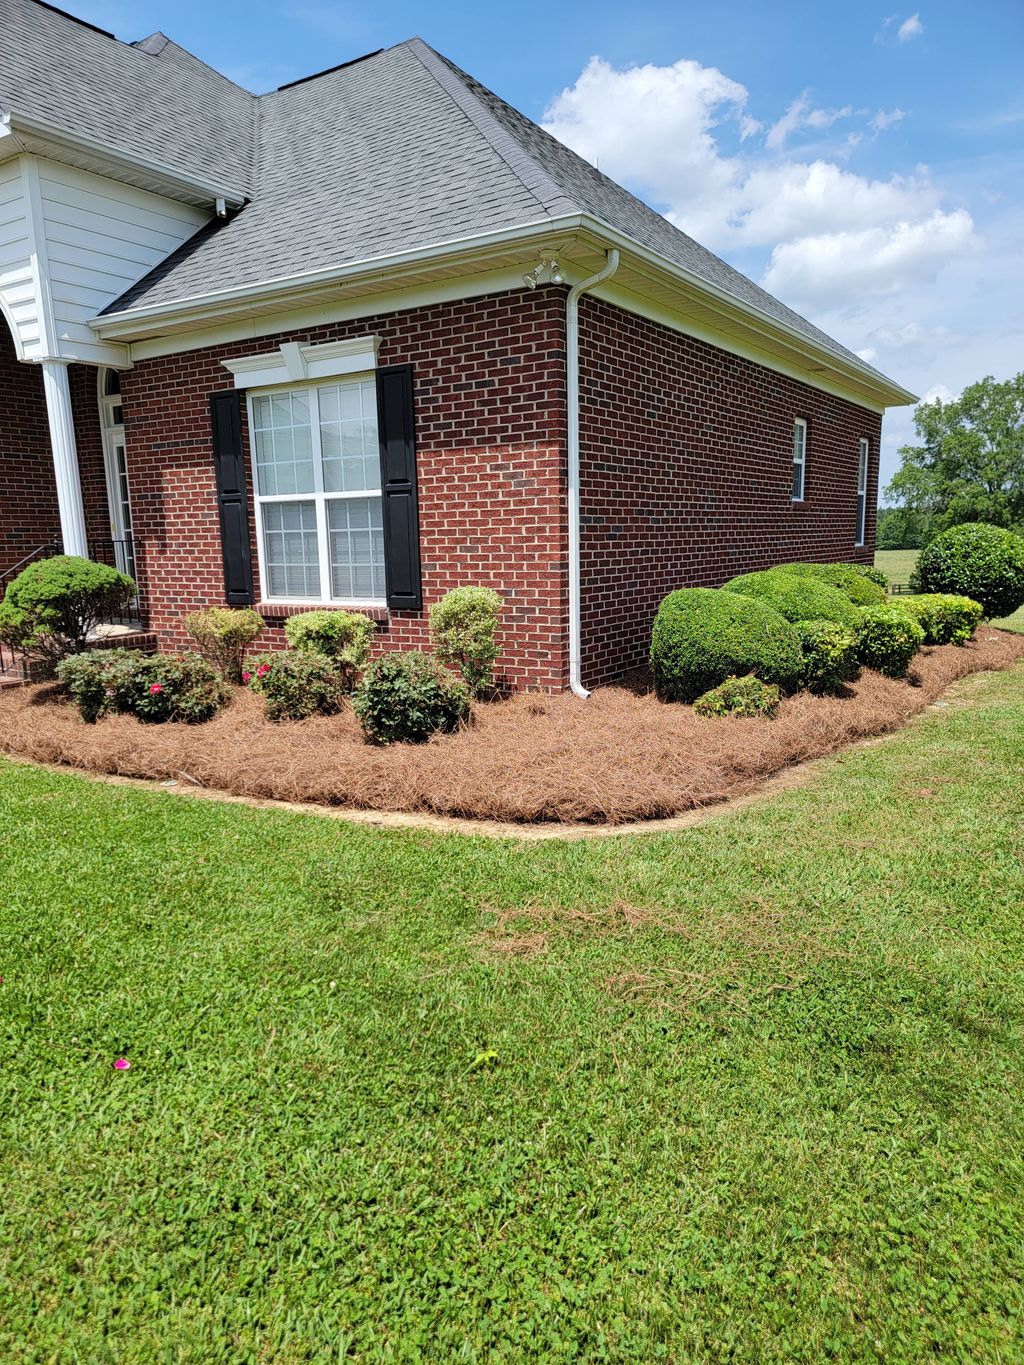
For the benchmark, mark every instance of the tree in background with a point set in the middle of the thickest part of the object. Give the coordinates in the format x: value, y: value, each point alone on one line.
x: 970, y: 463
x: 901, y: 528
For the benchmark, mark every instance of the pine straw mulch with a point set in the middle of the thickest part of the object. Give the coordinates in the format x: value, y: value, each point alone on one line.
x: 616, y: 758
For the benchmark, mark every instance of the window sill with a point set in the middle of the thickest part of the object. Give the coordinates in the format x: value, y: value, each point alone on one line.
x: 281, y: 611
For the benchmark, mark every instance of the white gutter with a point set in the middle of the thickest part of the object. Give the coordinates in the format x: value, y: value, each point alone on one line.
x: 572, y: 390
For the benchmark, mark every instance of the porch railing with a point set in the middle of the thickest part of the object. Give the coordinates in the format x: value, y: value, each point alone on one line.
x: 120, y: 555
x: 14, y: 659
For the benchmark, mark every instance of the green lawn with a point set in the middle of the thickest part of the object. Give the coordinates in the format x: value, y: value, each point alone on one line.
x: 898, y: 564
x: 781, y: 1119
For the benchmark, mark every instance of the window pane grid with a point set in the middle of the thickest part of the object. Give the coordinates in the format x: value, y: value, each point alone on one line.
x: 799, y: 459
x: 862, y: 492
x: 310, y: 444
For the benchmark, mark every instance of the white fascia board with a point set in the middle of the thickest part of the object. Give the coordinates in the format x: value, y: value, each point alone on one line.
x: 292, y: 363
x: 22, y: 130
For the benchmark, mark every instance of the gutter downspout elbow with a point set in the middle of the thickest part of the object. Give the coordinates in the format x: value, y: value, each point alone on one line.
x: 572, y: 394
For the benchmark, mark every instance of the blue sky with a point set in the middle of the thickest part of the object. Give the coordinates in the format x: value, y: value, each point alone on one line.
x: 865, y: 163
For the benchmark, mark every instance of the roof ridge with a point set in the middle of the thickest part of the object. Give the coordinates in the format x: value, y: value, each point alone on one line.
x: 544, y: 188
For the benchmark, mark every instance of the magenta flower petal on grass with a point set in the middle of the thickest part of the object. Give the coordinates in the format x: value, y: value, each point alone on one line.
x: 122, y: 1064
x: 157, y: 687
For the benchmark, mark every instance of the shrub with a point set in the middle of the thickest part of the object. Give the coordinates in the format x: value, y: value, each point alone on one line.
x: 409, y: 697
x: 796, y: 597
x: 54, y: 604
x: 985, y: 563
x: 295, y: 686
x: 861, y: 590
x: 945, y: 618
x: 152, y: 687
x: 830, y: 655
x: 747, y: 696
x: 873, y: 575
x: 223, y: 634
x: 702, y: 636
x: 463, y: 626
x: 887, y: 640
x: 343, y: 636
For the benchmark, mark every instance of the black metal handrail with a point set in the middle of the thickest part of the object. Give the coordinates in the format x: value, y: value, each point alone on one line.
x: 40, y: 552
x: 119, y: 554
x: 14, y: 659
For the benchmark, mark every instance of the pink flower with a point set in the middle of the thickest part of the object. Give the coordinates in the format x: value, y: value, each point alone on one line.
x: 247, y: 677
x: 122, y: 1064
x: 157, y: 687
x: 263, y: 670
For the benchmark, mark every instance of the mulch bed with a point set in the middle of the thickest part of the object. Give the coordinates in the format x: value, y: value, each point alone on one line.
x: 621, y: 756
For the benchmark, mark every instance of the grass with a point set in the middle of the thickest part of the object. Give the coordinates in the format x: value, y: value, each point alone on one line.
x: 899, y: 564
x: 751, y: 1093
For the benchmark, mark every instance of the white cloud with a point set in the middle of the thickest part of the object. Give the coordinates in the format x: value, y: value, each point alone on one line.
x: 826, y: 270
x: 801, y: 114
x: 886, y: 118
x: 910, y: 28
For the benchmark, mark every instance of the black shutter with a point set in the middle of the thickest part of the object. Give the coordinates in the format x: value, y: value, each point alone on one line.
x: 229, y: 461
x: 398, y: 484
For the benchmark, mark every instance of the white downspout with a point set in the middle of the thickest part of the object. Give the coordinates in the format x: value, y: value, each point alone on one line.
x: 572, y: 391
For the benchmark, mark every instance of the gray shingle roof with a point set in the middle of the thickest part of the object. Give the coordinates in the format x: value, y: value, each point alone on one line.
x: 397, y: 151
x: 155, y: 101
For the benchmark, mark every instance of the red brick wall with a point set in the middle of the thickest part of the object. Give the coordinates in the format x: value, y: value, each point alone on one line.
x: 28, y: 494
x: 489, y: 379
x: 686, y: 476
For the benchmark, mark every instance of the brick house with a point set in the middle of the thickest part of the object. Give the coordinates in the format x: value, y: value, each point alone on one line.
x: 374, y: 335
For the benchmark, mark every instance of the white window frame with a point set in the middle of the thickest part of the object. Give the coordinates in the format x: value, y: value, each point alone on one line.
x: 319, y: 496
x: 863, y: 460
x: 799, y: 424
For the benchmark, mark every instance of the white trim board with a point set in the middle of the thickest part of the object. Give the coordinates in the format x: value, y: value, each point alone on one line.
x: 295, y: 364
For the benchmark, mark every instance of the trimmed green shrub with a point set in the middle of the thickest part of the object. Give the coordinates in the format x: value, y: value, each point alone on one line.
x: 873, y: 574
x: 407, y: 697
x: 985, y: 563
x: 860, y: 589
x: 343, y: 636
x: 152, y: 687
x: 795, y: 596
x: 463, y: 626
x: 746, y: 697
x: 887, y: 640
x: 295, y: 686
x: 223, y: 634
x: 945, y: 618
x: 830, y: 655
x: 701, y: 636
x: 54, y: 604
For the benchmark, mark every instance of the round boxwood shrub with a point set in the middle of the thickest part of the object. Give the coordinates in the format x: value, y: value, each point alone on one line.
x: 343, y: 636
x: 746, y: 697
x: 463, y: 630
x: 296, y: 685
x: 975, y: 560
x: 53, y: 606
x: 830, y: 655
x: 877, y: 576
x: 702, y: 636
x: 946, y: 618
x: 861, y: 591
x: 407, y: 697
x: 152, y: 687
x: 223, y: 634
x: 887, y: 640
x: 796, y: 597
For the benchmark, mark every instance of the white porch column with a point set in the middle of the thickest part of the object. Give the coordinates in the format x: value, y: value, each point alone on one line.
x: 65, y: 457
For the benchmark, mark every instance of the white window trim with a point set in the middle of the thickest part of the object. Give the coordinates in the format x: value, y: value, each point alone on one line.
x: 295, y: 364
x: 801, y: 424
x: 863, y: 462
x: 318, y: 496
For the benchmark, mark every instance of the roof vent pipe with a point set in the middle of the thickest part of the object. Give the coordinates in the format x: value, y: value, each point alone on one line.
x: 572, y: 387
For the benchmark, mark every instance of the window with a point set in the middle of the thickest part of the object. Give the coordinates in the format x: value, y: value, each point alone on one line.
x: 318, y: 498
x: 862, y: 490
x: 799, y: 458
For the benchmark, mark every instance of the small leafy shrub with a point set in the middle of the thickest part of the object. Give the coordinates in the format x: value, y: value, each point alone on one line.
x: 861, y: 590
x: 796, y: 597
x: 223, y: 634
x: 985, y: 563
x: 152, y: 687
x: 343, y: 636
x: 877, y: 576
x: 463, y: 626
x: 54, y: 604
x: 747, y: 697
x: 407, y: 697
x: 702, y: 636
x: 295, y: 686
x: 887, y: 640
x: 830, y: 655
x: 945, y: 618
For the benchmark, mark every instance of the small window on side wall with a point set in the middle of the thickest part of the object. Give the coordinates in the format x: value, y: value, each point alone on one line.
x: 799, y: 458
x: 862, y: 490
